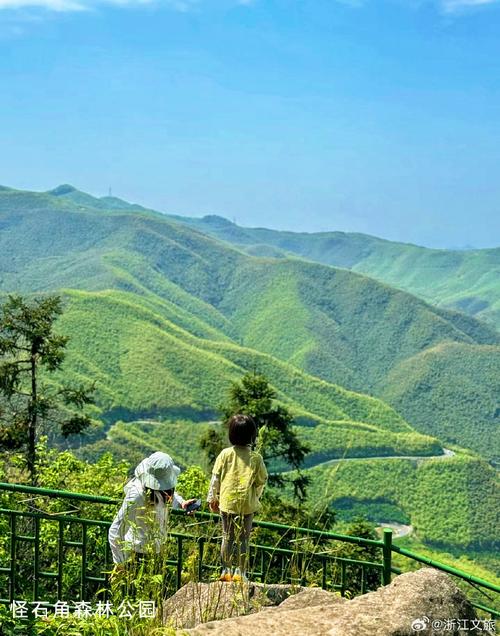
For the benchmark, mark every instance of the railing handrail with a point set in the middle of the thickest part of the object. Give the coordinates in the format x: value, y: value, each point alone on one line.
x: 65, y: 494
x: 48, y: 492
x: 447, y: 568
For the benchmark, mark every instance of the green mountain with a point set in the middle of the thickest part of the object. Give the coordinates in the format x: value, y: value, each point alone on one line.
x: 342, y: 327
x: 163, y: 317
x: 463, y: 280
x: 143, y: 310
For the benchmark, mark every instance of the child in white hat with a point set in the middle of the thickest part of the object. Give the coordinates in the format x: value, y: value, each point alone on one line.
x: 141, y: 521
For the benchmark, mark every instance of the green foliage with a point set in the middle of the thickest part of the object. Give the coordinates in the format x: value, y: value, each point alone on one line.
x: 451, y: 502
x: 29, y: 345
x: 193, y: 483
x: 212, y: 443
x: 63, y: 471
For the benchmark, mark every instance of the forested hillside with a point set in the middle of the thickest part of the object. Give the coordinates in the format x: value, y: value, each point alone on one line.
x: 342, y: 327
x: 466, y: 280
x: 163, y: 318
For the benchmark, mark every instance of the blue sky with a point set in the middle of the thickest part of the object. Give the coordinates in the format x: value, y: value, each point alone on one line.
x: 374, y: 116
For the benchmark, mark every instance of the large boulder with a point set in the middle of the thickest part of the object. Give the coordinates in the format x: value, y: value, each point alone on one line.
x: 198, y: 603
x: 426, y: 602
x: 418, y: 602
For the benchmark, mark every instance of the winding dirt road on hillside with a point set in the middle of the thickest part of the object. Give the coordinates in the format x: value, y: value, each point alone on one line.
x: 399, y: 529
x: 447, y: 453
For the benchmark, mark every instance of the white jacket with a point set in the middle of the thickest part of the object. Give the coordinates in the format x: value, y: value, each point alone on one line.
x: 139, y: 522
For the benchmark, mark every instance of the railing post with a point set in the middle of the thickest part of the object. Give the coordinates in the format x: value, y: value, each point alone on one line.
x: 323, y: 572
x: 201, y: 545
x: 179, y: 563
x: 83, y: 581
x: 36, y: 563
x: 60, y: 558
x: 108, y: 563
x: 387, y: 556
x: 13, y: 564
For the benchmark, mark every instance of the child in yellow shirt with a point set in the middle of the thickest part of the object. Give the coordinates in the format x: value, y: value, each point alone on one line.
x: 238, y: 479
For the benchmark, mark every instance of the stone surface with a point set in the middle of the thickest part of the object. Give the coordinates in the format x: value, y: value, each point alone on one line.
x: 426, y: 595
x: 392, y: 610
x: 201, y: 602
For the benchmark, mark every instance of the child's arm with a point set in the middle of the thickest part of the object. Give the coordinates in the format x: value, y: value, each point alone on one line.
x: 214, y: 493
x: 214, y: 488
x: 260, y: 478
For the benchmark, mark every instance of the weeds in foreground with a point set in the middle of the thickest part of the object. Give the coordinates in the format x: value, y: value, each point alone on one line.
x: 188, y: 553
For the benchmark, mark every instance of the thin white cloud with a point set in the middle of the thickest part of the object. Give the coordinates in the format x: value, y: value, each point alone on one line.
x: 85, y: 5
x: 51, y: 5
x: 445, y: 6
x: 452, y: 6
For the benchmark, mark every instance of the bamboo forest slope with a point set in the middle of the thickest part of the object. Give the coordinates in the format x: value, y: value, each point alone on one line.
x: 146, y: 365
x: 343, y: 327
x: 451, y: 503
x: 469, y: 395
x: 465, y: 280
x: 361, y: 334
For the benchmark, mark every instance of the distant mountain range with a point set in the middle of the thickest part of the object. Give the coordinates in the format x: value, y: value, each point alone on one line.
x: 465, y: 279
x: 163, y: 314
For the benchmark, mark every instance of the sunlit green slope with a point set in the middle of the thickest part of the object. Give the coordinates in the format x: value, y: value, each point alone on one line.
x: 450, y: 501
x: 146, y: 365
x: 465, y: 280
x: 467, y: 401
x: 342, y: 327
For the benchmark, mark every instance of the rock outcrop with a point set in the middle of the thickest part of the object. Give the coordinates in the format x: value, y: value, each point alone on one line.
x: 197, y: 603
x: 426, y: 602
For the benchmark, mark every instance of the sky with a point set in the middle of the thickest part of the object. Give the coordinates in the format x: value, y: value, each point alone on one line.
x: 375, y: 116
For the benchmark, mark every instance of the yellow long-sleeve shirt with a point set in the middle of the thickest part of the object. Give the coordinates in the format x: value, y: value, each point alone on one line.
x: 241, y: 475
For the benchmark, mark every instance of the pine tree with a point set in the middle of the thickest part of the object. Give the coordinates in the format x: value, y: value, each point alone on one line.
x: 277, y: 440
x: 28, y: 346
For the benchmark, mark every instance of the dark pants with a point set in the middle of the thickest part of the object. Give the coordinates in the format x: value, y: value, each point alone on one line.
x: 236, y: 531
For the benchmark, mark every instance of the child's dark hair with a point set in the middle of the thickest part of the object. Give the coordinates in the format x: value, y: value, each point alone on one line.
x: 242, y: 430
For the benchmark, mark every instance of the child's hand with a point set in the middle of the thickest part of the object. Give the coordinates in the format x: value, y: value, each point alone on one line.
x: 214, y: 505
x: 186, y: 504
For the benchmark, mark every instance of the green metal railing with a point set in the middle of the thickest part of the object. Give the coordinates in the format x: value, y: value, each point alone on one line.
x: 80, y: 544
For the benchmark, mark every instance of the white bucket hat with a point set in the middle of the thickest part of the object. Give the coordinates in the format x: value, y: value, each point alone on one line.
x: 158, y: 472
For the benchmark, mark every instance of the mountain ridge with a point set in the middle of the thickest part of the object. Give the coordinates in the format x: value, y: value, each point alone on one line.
x: 339, y: 325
